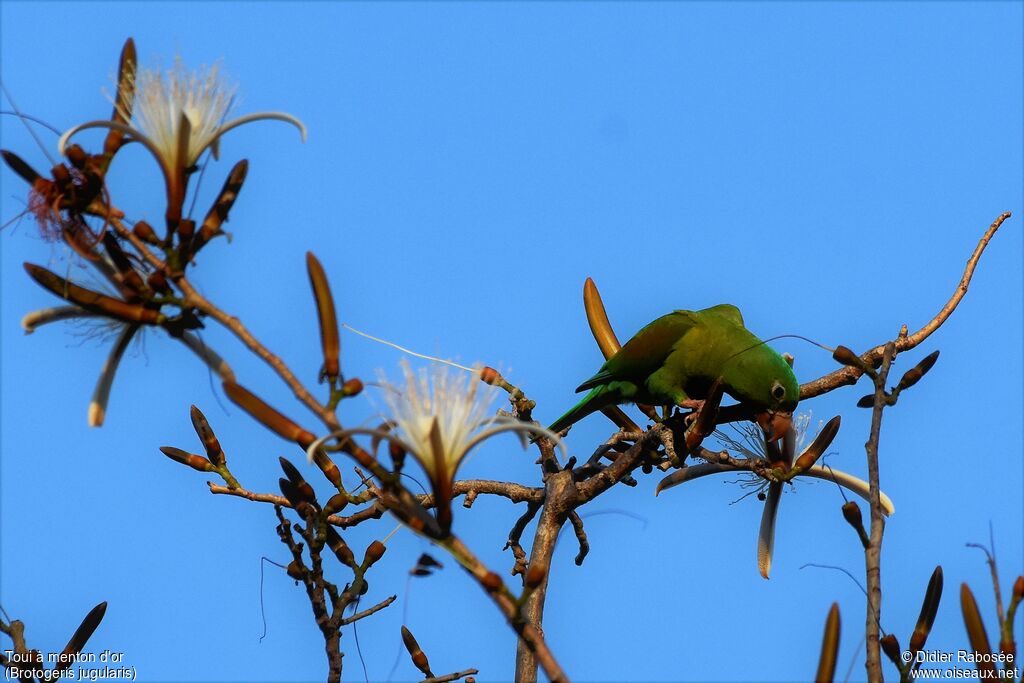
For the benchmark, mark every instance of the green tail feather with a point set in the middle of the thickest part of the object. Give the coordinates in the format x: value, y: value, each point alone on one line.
x: 599, y: 397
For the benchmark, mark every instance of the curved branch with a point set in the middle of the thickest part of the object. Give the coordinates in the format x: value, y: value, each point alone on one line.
x: 850, y: 375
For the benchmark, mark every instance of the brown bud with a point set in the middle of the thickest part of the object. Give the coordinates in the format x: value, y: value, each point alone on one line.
x: 374, y: 552
x: 844, y: 355
x: 891, y: 648
x: 914, y: 374
x: 94, y: 302
x: 302, y: 486
x: 219, y: 211
x: 336, y: 504
x: 819, y: 445
x: 304, y: 504
x: 196, y: 462
x: 535, y: 575
x: 489, y: 375
x: 144, y: 231
x: 61, y: 174
x: 418, y: 658
x: 296, y: 570
x: 491, y: 582
x: 352, y: 387
x: 929, y: 607
x: 420, y: 661
x: 409, y: 640
x: 975, y: 629
x: 269, y: 417
x: 206, y: 435
x: 866, y: 401
x: 853, y: 517
x: 76, y: 155
x: 81, y: 636
x: 1018, y: 588
x: 18, y: 165
x: 158, y: 283
x: 829, y: 647
x: 186, y: 228
x: 329, y: 341
x: 327, y: 466
x: 338, y: 546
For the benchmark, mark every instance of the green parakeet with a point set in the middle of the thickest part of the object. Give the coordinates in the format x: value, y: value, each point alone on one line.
x: 678, y: 357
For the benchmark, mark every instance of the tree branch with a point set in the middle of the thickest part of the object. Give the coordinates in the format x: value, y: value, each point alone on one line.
x: 849, y: 375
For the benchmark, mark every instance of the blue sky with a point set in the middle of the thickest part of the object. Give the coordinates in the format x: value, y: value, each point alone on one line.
x: 827, y: 167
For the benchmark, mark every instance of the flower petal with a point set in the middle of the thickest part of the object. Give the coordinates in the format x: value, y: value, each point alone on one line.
x: 766, y: 534
x: 850, y: 483
x: 692, y: 472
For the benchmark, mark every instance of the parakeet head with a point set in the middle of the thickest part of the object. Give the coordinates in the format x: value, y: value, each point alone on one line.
x: 762, y: 378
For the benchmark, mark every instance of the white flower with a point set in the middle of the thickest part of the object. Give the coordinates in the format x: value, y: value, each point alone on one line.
x: 440, y: 416
x: 749, y: 441
x: 179, y: 114
x: 165, y: 100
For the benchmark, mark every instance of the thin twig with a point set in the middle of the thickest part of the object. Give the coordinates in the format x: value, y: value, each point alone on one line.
x: 873, y: 553
x: 581, y: 536
x: 367, y: 612
x: 850, y: 375
x: 451, y: 677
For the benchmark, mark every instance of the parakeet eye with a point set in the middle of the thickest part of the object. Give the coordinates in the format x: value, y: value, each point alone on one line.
x: 778, y: 391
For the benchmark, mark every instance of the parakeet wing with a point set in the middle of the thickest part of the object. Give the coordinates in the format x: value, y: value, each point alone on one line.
x: 646, y: 351
x: 727, y: 311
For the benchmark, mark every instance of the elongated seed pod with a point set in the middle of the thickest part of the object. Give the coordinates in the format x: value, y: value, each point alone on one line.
x: 218, y: 213
x: 820, y: 444
x: 101, y: 394
x: 829, y: 647
x: 329, y: 340
x: 976, y: 631
x: 19, y: 166
x: 205, y: 433
x: 93, y: 301
x: 81, y: 636
x: 267, y: 416
x: 125, y: 101
x: 929, y: 607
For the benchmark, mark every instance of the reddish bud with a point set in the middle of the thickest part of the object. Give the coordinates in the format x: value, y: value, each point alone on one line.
x: 186, y: 228
x: 327, y: 466
x: 196, y: 462
x: 340, y: 549
x: 296, y: 570
x: 336, y: 504
x: 374, y: 552
x: 844, y: 355
x: 491, y: 582
x: 144, y: 231
x: 77, y: 156
x: 158, y: 283
x: 1018, y: 588
x: 489, y: 375
x: 352, y: 387
x: 61, y: 174
x: 891, y: 648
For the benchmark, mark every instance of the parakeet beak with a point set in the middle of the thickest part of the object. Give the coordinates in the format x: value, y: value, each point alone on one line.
x: 774, y: 424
